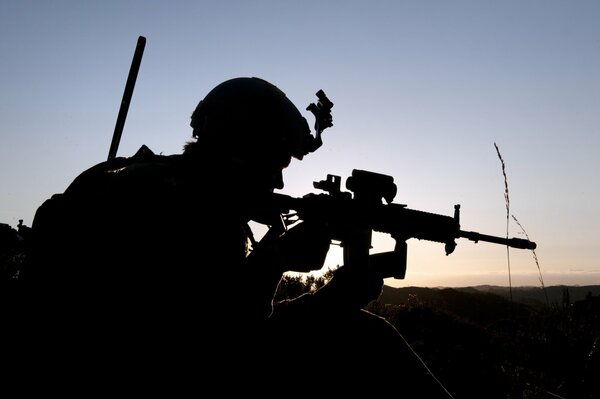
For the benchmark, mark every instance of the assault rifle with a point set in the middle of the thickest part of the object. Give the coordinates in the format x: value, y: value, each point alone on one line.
x: 353, y: 215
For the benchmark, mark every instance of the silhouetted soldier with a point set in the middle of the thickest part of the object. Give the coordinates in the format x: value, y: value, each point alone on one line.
x: 144, y: 263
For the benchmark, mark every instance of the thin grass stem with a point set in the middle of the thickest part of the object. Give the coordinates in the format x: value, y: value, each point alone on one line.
x: 507, y: 202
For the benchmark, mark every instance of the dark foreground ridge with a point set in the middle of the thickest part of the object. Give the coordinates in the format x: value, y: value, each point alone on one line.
x: 480, y: 344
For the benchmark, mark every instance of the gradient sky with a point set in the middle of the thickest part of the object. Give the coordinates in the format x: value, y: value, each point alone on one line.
x: 422, y: 91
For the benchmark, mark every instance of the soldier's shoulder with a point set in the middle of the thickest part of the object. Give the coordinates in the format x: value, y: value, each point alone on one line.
x: 144, y: 167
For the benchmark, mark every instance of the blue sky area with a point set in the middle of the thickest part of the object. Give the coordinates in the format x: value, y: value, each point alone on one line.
x: 422, y: 91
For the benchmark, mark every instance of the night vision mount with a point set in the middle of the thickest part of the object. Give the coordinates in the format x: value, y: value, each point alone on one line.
x: 323, y: 119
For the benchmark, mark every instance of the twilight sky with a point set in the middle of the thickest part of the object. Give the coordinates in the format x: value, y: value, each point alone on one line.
x: 422, y: 91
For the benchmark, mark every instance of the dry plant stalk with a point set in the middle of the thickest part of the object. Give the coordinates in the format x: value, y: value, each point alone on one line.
x: 507, y: 202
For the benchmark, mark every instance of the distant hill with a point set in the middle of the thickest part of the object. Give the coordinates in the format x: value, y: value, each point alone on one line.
x: 532, y: 296
x: 536, y: 295
x: 466, y: 303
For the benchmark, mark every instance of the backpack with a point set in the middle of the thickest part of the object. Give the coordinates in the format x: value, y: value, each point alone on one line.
x: 70, y: 228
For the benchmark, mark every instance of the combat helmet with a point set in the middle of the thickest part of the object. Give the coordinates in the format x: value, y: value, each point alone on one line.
x: 250, y: 114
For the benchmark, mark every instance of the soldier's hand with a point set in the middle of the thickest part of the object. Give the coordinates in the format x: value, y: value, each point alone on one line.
x: 351, y: 288
x: 304, y: 247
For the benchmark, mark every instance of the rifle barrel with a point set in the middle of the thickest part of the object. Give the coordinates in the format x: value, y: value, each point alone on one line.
x: 511, y: 242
